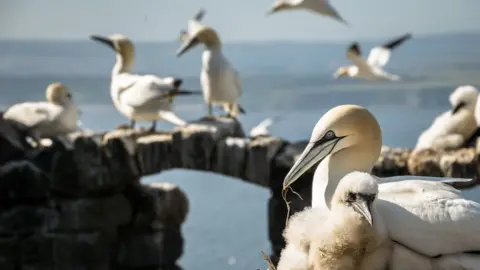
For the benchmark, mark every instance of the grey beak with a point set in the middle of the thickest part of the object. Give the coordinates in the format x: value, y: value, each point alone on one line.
x: 185, y: 92
x: 103, y: 40
x: 363, y: 205
x: 187, y: 45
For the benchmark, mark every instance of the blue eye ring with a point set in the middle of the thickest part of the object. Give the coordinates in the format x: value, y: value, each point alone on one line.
x: 329, y: 135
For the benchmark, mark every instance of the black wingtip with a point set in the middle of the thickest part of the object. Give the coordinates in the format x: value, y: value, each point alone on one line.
x: 200, y: 14
x: 355, y: 48
x: 392, y: 44
x: 240, y: 108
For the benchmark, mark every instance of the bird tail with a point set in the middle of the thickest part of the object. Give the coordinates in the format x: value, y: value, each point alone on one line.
x: 172, y: 118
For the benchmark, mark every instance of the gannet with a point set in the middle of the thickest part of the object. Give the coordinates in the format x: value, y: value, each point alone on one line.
x: 452, y: 128
x: 220, y: 81
x: 322, y: 7
x: 140, y: 97
x: 351, y: 236
x: 262, y: 128
x: 372, y: 68
x: 55, y: 117
x: 422, y: 214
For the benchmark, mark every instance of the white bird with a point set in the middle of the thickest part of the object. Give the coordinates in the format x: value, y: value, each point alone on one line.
x: 351, y: 236
x: 56, y: 117
x: 371, y: 69
x: 140, y: 97
x: 220, y: 81
x: 322, y: 7
x: 422, y: 214
x: 454, y: 127
x: 262, y: 128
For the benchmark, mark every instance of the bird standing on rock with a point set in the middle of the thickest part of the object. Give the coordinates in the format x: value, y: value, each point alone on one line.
x: 140, y: 97
x: 220, y: 81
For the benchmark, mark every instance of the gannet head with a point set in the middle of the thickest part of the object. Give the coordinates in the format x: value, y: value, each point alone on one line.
x: 357, y: 190
x: 342, y: 71
x: 58, y: 93
x: 344, y: 128
x: 121, y: 44
x: 464, y: 96
x: 280, y: 5
x: 198, y: 33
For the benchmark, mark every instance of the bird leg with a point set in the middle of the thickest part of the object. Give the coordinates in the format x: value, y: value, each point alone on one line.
x: 210, y: 111
x: 132, y: 124
x: 153, y: 127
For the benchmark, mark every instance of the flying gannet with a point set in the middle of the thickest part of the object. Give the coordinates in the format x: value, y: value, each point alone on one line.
x: 351, y: 236
x: 371, y: 69
x: 262, y: 128
x: 220, y: 81
x: 322, y: 7
x: 454, y: 127
x: 55, y: 117
x: 140, y: 97
x: 422, y: 214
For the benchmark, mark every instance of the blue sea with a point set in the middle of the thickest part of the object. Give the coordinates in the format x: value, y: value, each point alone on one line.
x: 227, y: 223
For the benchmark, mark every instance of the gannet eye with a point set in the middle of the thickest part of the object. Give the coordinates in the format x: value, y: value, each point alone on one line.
x: 351, y: 197
x: 329, y: 135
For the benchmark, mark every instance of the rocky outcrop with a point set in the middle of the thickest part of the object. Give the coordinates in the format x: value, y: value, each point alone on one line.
x: 86, y: 195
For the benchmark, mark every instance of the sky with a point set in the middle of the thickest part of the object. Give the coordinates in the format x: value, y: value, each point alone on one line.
x: 236, y: 21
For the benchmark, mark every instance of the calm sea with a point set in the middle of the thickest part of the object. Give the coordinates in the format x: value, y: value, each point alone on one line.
x: 227, y: 223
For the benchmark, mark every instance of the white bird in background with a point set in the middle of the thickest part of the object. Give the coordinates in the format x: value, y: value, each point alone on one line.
x: 454, y: 127
x: 352, y: 236
x: 220, y: 81
x: 262, y: 128
x: 422, y: 214
x: 55, y: 117
x: 140, y: 97
x: 322, y: 7
x: 372, y: 68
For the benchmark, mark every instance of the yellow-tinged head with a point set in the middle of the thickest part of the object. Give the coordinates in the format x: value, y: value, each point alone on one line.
x: 59, y: 94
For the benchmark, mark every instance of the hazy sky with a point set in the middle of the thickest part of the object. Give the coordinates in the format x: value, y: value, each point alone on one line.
x: 235, y: 20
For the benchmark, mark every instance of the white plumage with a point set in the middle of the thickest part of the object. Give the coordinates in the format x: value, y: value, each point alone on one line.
x: 430, y: 218
x: 262, y: 128
x: 371, y: 69
x: 322, y: 7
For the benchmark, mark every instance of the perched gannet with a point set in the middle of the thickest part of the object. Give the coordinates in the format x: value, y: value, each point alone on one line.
x: 322, y: 7
x: 452, y: 128
x: 140, y: 97
x: 372, y: 68
x: 262, y: 128
x: 422, y: 214
x: 220, y: 81
x: 350, y: 236
x: 57, y: 116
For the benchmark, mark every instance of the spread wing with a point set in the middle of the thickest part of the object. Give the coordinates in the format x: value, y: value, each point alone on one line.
x: 380, y: 55
x: 354, y: 54
x: 429, y: 217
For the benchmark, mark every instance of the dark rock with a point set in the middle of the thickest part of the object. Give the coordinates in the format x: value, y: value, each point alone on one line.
x: 155, y: 153
x: 261, y: 152
x: 21, y: 181
x: 93, y: 213
x: 8, y: 252
x: 12, y: 140
x: 392, y: 161
x: 425, y: 162
x: 22, y: 220
x: 231, y: 157
x: 460, y: 163
x: 160, y: 249
x: 172, y: 203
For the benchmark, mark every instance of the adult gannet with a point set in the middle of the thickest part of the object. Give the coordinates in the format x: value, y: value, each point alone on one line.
x: 427, y: 217
x: 372, y: 68
x: 351, y: 236
x: 322, y: 7
x: 452, y: 128
x: 262, y: 128
x: 220, y: 81
x: 57, y: 116
x: 140, y: 97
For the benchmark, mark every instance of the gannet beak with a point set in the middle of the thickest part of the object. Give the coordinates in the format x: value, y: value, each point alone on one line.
x: 363, y: 205
x: 103, y: 40
x: 314, y: 153
x: 458, y: 107
x: 187, y: 45
x: 339, y: 73
x: 185, y: 92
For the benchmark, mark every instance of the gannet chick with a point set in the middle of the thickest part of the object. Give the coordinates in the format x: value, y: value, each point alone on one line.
x: 353, y: 236
x: 55, y: 117
x: 140, y: 97
x: 262, y: 128
x: 322, y: 7
x: 371, y: 69
x: 452, y: 128
x: 220, y: 81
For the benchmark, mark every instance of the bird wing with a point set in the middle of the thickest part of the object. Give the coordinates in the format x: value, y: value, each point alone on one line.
x: 33, y: 113
x: 144, y: 89
x: 429, y: 217
x: 354, y: 54
x: 379, y: 55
